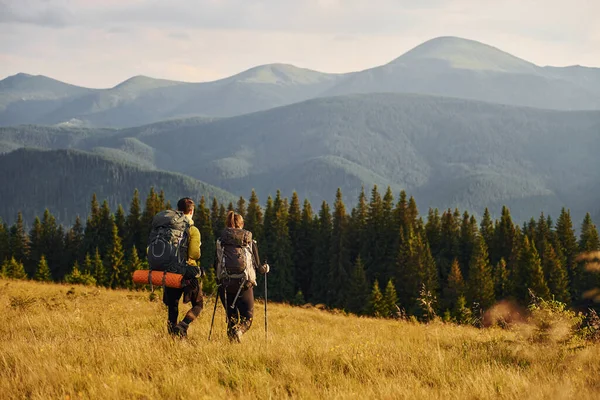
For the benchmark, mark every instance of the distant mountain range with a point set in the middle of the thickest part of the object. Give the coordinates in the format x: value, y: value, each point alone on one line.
x: 446, y: 152
x: 445, y: 66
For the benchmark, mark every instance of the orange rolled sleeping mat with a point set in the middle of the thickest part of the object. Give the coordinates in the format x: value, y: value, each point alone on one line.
x: 171, y: 280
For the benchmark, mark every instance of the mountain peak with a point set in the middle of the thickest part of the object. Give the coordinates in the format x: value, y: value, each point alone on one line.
x: 142, y: 82
x: 286, y: 74
x: 466, y: 54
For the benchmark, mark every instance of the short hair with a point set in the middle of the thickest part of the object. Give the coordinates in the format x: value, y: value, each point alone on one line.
x: 185, y: 205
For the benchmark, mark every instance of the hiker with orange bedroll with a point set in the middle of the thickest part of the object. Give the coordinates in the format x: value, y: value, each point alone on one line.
x: 236, y: 264
x: 173, y: 253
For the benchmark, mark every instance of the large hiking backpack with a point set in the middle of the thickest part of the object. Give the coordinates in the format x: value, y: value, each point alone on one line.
x: 168, y: 242
x: 235, y: 259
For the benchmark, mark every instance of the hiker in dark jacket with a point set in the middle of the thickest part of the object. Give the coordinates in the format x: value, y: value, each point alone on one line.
x: 236, y: 264
x: 192, y: 292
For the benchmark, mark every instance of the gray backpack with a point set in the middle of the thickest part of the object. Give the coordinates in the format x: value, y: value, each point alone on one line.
x: 168, y: 242
x: 235, y: 259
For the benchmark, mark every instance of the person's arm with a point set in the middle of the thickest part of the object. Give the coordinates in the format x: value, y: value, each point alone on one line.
x: 194, y: 246
x: 262, y: 268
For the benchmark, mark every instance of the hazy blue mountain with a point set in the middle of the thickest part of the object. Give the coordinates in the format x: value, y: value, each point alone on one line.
x: 142, y: 100
x: 64, y: 180
x: 447, y: 152
x: 446, y: 66
x: 455, y: 67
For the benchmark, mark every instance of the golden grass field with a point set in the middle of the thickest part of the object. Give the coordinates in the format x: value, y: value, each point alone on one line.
x: 58, y: 343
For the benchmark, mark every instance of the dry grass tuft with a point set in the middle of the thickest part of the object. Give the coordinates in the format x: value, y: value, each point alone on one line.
x: 96, y: 343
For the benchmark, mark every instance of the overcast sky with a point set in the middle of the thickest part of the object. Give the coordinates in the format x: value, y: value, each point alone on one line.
x: 98, y: 43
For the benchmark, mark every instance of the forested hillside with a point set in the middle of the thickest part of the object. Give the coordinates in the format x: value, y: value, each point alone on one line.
x: 64, y: 180
x: 448, y: 152
x: 368, y: 259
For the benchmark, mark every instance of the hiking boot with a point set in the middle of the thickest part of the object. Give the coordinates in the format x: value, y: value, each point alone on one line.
x: 236, y: 335
x: 181, y: 329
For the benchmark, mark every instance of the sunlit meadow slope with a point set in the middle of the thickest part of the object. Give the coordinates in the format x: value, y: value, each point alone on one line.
x: 76, y: 342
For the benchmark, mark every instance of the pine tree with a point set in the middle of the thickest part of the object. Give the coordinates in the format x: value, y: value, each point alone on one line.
x: 461, y: 313
x: 374, y: 246
x: 214, y: 218
x: 99, y: 270
x: 390, y: 300
x: 105, y: 228
x: 589, y: 242
x: 202, y: 221
x: 15, y: 269
x: 132, y: 263
x: 43, y: 272
x: 481, y: 282
x: 454, y: 288
x: 339, y: 268
x: 254, y: 218
x: 389, y: 234
x: 506, y: 246
x: 433, y: 231
x: 78, y: 278
x: 567, y: 243
x: 114, y: 259
x: 74, y: 243
x: 19, y: 244
x: 88, y: 267
x: 556, y: 274
x: 36, y: 247
x: 294, y: 222
x: 532, y: 274
x: 4, y: 242
x: 152, y: 207
x: 320, y: 270
x: 501, y: 285
x: 467, y: 241
x: 376, y: 306
x: 120, y: 221
x: 92, y: 226
x: 486, y: 228
x: 449, y: 244
x: 53, y: 245
x: 230, y: 207
x: 134, y: 230
x: 305, y: 250
x: 358, y: 289
x: 277, y: 234
x: 241, y: 207
x: 359, y: 226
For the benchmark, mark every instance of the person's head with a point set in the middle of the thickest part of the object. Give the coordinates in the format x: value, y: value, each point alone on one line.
x: 186, y: 206
x: 234, y: 220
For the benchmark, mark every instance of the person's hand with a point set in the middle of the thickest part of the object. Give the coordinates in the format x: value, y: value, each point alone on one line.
x: 266, y: 268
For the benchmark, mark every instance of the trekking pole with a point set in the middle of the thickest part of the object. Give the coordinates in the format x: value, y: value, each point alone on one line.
x: 266, y: 319
x: 214, y: 312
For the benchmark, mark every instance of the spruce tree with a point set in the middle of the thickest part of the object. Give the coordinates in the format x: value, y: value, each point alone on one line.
x: 433, y: 231
x: 214, y: 217
x: 486, y: 228
x: 556, y: 274
x: 568, y: 247
x: 305, y: 250
x: 202, y: 221
x: 480, y: 280
x: 53, y: 245
x: 43, y: 272
x: 320, y: 270
x: 99, y: 271
x: 152, y: 207
x: 88, y: 267
x: 19, y: 243
x: 376, y: 305
x: 120, y: 221
x: 589, y: 243
x: 36, y: 247
x: 282, y: 274
x: 454, y: 288
x: 132, y: 263
x: 74, y: 243
x: 467, y: 241
x: 92, y: 226
x: 114, y: 259
x: 390, y: 300
x: 105, y: 228
x: 134, y: 230
x: 241, y: 207
x: 532, y: 274
x: 339, y: 268
x: 358, y: 289
x: 4, y: 242
x: 254, y: 218
x: 449, y: 248
x: 294, y: 222
x: 374, y: 246
x: 501, y: 284
x: 15, y: 269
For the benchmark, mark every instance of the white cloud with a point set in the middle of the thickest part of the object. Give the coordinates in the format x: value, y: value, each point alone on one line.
x: 101, y: 42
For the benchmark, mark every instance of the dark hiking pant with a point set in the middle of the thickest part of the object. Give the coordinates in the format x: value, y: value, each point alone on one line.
x: 239, y: 317
x: 193, y: 294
